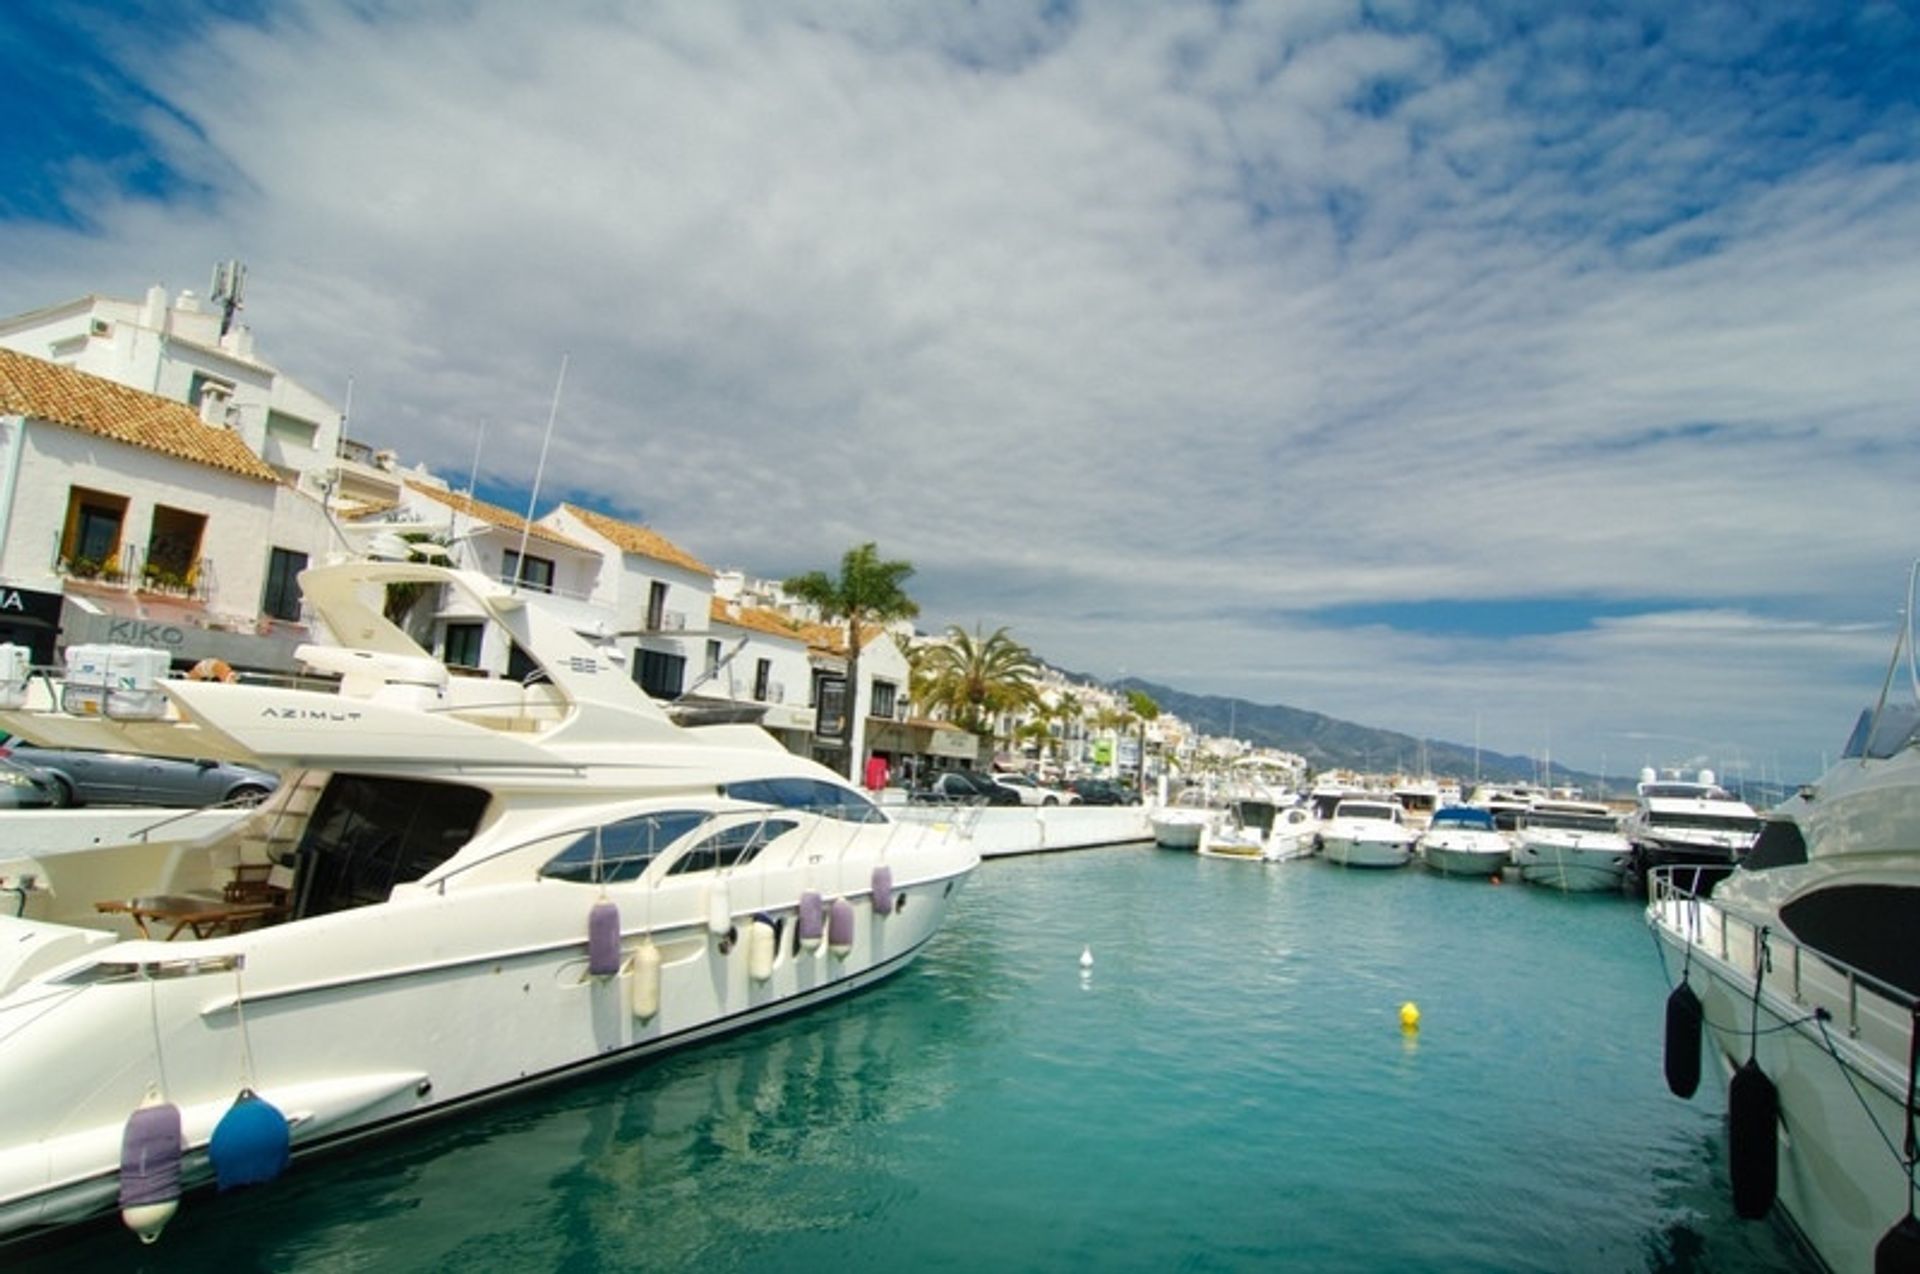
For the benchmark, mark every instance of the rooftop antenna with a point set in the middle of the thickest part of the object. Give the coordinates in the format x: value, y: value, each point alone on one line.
x: 526, y: 527
x: 229, y: 283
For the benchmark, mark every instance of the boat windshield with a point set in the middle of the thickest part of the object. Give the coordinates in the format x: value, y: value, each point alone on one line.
x: 813, y: 796
x: 1896, y: 728
x: 1463, y: 816
x: 1365, y: 809
x: 1570, y: 821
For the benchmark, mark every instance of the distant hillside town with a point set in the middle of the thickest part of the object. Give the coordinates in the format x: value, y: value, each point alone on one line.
x: 164, y: 486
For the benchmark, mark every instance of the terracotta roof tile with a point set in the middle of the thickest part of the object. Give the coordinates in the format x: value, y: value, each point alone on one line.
x: 641, y: 540
x: 494, y: 515
x: 763, y: 621
x: 832, y: 638
x: 63, y: 396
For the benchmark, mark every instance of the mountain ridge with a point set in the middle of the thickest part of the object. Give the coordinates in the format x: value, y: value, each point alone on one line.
x: 1329, y: 743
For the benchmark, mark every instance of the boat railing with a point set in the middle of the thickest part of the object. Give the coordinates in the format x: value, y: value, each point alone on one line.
x: 560, y: 840
x: 1856, y: 999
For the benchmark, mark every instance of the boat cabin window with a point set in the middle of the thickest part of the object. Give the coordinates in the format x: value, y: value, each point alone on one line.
x: 1870, y: 927
x: 368, y: 834
x: 621, y: 851
x: 811, y: 795
x: 1570, y: 821
x: 1745, y: 826
x: 1780, y: 845
x: 733, y: 846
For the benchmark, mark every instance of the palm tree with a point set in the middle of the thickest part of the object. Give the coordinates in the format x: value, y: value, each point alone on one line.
x: 974, y: 678
x: 867, y: 592
x: 1144, y: 711
x: 422, y: 546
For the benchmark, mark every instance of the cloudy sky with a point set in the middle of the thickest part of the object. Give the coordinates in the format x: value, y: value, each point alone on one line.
x: 1481, y: 371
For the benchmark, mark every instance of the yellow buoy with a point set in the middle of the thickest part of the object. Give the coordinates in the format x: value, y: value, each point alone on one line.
x: 1409, y: 1016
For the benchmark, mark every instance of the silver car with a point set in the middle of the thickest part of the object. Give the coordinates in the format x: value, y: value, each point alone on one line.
x: 22, y: 788
x: 80, y: 777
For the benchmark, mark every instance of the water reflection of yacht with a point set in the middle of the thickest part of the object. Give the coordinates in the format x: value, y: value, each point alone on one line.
x: 463, y: 887
x: 1804, y: 969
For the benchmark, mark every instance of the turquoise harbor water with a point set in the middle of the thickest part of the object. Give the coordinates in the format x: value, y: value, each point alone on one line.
x: 1229, y: 1089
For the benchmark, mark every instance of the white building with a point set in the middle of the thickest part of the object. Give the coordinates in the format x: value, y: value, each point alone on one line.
x: 192, y: 354
x: 148, y: 525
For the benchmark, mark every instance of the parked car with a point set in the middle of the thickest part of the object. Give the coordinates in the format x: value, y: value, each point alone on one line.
x: 1103, y: 792
x: 81, y: 777
x: 1033, y: 792
x: 964, y: 787
x: 24, y: 788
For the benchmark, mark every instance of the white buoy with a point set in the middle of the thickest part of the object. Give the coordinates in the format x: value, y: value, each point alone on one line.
x: 760, y: 948
x: 719, y: 908
x: 646, y: 979
x: 1086, y: 957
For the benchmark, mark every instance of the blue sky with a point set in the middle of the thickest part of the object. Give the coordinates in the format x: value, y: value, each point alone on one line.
x: 1494, y: 367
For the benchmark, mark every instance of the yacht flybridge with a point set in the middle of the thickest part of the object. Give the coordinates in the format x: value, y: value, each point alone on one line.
x: 462, y: 887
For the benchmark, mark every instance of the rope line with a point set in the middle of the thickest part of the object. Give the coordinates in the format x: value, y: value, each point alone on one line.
x: 1819, y: 1018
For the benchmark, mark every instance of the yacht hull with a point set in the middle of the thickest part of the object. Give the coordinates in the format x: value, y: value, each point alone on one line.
x: 1572, y: 868
x: 1360, y: 851
x: 1838, y: 1183
x: 1463, y: 861
x: 456, y: 1022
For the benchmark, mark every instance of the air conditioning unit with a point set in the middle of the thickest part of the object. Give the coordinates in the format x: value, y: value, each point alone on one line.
x: 673, y: 621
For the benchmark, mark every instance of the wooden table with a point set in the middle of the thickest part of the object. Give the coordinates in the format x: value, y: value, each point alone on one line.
x: 207, y: 917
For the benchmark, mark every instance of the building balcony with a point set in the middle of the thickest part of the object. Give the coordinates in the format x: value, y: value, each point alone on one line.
x: 130, y: 571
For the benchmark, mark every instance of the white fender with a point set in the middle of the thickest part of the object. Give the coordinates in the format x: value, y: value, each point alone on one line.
x: 646, y: 980
x: 719, y: 907
x: 760, y: 949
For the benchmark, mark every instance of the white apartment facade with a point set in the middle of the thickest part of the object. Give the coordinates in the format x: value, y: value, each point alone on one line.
x: 125, y: 518
x: 192, y: 353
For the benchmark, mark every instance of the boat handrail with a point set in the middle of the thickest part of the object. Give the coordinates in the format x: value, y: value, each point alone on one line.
x: 1665, y: 891
x: 144, y: 834
x: 568, y: 835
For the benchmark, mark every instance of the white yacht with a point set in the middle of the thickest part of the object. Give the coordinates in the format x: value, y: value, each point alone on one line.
x: 1367, y: 831
x: 463, y: 887
x: 1507, y: 802
x: 1575, y: 846
x: 1181, y: 823
x: 1803, y: 967
x: 1461, y: 840
x: 1695, y: 821
x: 1295, y: 834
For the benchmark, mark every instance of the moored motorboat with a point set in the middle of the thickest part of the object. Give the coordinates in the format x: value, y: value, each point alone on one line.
x: 1678, y: 821
x: 1367, y: 831
x: 1574, y: 846
x: 1507, y: 802
x: 1181, y: 823
x: 1801, y: 969
x: 1295, y: 834
x: 463, y: 887
x: 1461, y: 840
